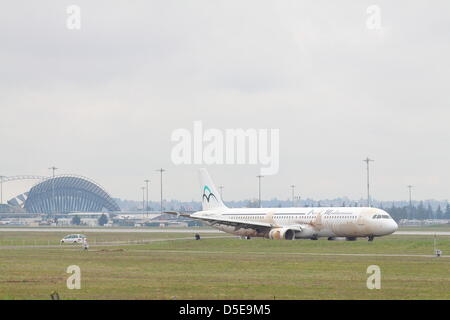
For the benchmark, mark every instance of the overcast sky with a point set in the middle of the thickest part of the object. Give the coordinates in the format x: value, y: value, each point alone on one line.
x: 103, y: 101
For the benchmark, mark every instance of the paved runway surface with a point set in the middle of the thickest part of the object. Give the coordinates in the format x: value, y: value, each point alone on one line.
x: 304, y: 253
x: 175, y: 230
x: 113, y: 230
x: 423, y: 233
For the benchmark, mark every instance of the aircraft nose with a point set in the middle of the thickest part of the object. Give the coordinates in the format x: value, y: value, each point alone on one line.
x: 393, y: 226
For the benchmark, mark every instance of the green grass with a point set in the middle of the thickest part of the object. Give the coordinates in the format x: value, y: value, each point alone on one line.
x: 228, y: 269
x: 13, y: 238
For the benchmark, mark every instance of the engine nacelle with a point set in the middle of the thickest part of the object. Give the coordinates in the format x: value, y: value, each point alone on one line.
x: 282, y: 234
x: 307, y: 232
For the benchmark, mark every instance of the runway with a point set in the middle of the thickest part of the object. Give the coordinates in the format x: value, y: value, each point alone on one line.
x: 303, y: 253
x: 112, y: 230
x: 423, y: 233
x: 174, y: 230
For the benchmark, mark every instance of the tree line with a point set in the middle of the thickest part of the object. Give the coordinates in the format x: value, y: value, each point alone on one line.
x: 419, y: 212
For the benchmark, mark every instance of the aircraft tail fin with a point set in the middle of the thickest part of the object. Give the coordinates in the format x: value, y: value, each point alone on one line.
x: 210, y: 196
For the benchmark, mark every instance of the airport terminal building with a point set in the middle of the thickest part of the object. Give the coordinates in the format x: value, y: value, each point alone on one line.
x: 64, y: 194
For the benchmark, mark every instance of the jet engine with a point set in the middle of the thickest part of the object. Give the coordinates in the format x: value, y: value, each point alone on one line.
x: 282, y: 234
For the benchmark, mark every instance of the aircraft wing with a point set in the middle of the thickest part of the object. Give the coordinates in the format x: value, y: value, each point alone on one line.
x: 233, y: 223
x: 238, y: 224
x: 178, y: 214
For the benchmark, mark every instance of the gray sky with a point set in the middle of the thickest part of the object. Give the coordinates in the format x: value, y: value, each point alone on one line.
x: 103, y: 101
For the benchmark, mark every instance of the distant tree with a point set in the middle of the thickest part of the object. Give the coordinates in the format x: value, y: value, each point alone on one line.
x: 103, y: 220
x: 252, y: 204
x: 393, y: 211
x: 76, y: 220
x: 421, y: 212
x: 430, y: 213
x: 447, y: 211
x: 439, y: 212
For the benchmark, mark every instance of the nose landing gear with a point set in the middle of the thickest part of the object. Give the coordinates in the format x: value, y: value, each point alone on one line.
x: 370, y: 238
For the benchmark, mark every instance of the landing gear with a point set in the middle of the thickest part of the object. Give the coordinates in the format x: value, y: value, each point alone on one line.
x: 350, y: 238
x: 370, y: 238
x: 247, y: 237
x: 331, y: 238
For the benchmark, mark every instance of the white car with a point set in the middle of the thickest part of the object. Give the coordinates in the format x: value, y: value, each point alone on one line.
x: 73, y: 238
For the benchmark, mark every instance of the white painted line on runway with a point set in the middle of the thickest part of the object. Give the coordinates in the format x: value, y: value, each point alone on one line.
x: 110, y: 230
x: 298, y: 253
x: 423, y: 233
x: 173, y: 230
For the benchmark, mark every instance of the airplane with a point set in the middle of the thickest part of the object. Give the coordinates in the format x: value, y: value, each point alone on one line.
x: 290, y: 223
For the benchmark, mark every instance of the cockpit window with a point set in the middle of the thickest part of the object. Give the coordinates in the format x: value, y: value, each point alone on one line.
x: 381, y: 216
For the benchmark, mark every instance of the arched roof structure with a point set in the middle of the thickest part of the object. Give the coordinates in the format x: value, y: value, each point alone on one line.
x: 68, y: 193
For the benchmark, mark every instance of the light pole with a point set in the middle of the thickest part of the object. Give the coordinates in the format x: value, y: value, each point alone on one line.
x: 143, y: 199
x: 367, y: 160
x: 221, y: 192
x: 161, y: 171
x: 410, y: 198
x: 1, y: 189
x: 293, y: 192
x: 259, y: 183
x: 410, y: 201
x: 146, y: 186
x: 53, y: 188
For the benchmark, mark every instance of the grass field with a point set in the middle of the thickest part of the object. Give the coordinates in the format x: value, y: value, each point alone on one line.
x: 223, y: 268
x: 53, y: 238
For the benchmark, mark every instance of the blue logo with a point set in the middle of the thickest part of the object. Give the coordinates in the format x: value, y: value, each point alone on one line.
x: 209, y: 195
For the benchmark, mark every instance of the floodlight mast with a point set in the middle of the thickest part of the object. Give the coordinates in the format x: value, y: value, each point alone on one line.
x: 146, y: 187
x: 259, y: 188
x: 53, y: 209
x: 293, y: 193
x: 367, y: 161
x: 161, y: 170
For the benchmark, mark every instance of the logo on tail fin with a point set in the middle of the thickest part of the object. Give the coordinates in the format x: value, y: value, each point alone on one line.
x: 209, y: 195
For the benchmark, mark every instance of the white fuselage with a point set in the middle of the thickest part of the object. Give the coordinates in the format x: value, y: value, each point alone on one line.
x: 306, y: 223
